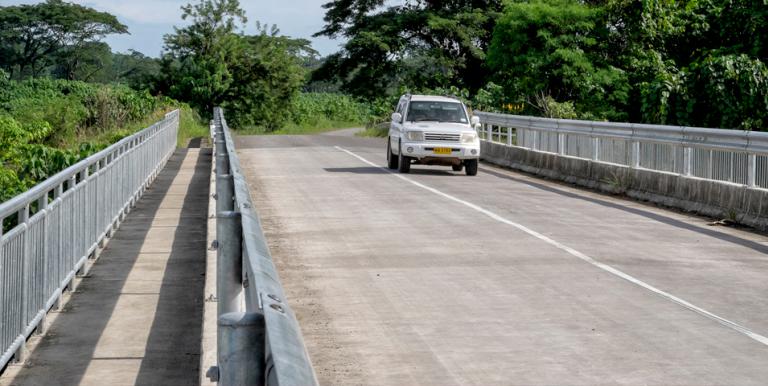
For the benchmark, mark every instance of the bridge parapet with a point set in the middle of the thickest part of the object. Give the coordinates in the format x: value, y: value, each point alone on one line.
x: 57, y: 225
x: 715, y: 172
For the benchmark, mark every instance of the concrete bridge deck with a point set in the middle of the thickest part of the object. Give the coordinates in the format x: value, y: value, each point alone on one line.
x: 428, y: 278
x: 501, y: 279
x: 136, y: 317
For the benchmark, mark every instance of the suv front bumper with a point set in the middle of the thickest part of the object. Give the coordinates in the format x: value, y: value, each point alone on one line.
x: 421, y: 150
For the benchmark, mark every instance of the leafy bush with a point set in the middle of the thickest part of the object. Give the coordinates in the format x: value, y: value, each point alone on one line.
x: 47, y: 125
x: 309, y: 107
x: 73, y: 109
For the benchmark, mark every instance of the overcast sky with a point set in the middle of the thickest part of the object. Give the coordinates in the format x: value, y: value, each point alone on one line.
x: 149, y: 20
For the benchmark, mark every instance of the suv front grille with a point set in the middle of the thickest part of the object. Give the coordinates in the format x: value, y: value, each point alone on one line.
x: 442, y: 137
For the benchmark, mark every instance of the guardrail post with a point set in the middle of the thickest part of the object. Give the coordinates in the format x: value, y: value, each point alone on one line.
x: 21, y: 353
x: 509, y: 136
x: 229, y: 287
x: 634, y: 160
x: 241, y: 356
x: 489, y: 136
x: 751, y: 170
x: 561, y: 143
x: 595, y: 149
x: 687, y: 164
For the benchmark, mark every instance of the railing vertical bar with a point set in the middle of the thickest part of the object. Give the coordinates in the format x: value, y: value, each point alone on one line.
x: 58, y: 221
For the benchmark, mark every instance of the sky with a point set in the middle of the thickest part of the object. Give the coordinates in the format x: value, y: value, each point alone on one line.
x: 149, y: 20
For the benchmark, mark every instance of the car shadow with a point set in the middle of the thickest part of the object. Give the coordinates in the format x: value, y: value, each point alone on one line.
x: 377, y: 170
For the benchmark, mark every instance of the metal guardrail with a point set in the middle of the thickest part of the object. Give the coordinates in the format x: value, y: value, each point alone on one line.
x: 62, y: 221
x: 259, y: 341
x: 735, y: 156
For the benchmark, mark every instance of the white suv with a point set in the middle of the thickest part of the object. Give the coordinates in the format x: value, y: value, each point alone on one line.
x: 433, y: 130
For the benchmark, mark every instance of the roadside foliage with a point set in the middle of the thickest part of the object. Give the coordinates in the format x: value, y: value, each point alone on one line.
x: 693, y: 63
x: 64, y: 94
x: 47, y: 125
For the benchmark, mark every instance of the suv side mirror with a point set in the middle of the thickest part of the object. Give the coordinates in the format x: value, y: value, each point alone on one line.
x: 397, y: 117
x: 475, y: 121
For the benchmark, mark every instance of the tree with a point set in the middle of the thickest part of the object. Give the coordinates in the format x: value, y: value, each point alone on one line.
x: 32, y: 35
x: 267, y: 76
x: 86, y: 62
x: 135, y: 69
x: 693, y: 63
x: 420, y: 44
x: 197, y: 56
x: 211, y: 63
x: 548, y: 51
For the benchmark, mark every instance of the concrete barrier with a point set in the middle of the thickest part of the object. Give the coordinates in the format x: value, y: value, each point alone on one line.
x: 722, y: 200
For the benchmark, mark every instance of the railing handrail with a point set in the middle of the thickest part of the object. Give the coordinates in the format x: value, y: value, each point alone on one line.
x: 700, y: 137
x: 41, y: 255
x: 286, y: 359
x: 31, y: 195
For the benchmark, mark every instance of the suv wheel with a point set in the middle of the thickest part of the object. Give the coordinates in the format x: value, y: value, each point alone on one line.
x: 457, y: 168
x: 471, y: 165
x: 404, y: 163
x: 391, y: 158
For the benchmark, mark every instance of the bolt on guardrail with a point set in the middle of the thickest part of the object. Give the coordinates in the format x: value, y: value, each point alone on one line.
x: 259, y: 343
x: 62, y: 221
x: 734, y: 156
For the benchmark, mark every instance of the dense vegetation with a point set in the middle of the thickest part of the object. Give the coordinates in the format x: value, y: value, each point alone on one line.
x: 64, y: 94
x: 47, y: 125
x: 211, y: 63
x: 49, y: 120
x: 692, y: 62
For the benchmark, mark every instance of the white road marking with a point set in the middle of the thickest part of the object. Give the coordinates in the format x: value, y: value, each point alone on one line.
x: 605, y: 267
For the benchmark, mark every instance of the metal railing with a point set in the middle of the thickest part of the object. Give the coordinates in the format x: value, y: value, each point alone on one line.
x: 61, y: 222
x: 734, y: 156
x: 259, y: 341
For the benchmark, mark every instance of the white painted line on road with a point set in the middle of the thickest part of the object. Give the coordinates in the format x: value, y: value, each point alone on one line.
x: 605, y: 267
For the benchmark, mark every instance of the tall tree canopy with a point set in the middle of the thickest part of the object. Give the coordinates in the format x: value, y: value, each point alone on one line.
x: 692, y: 63
x: 551, y: 49
x: 32, y: 35
x: 211, y: 63
x: 197, y: 56
x: 420, y: 44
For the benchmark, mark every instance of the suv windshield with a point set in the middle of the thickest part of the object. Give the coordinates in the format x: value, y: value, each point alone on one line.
x: 436, y: 111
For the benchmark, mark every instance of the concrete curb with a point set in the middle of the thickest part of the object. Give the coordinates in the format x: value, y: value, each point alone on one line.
x: 208, y: 336
x: 738, y: 203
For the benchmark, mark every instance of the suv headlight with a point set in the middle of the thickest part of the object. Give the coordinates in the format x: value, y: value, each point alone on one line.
x: 414, y: 136
x: 468, y: 137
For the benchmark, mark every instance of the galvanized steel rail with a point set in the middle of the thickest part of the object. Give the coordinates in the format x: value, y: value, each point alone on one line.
x: 259, y: 340
x: 733, y: 156
x: 62, y: 221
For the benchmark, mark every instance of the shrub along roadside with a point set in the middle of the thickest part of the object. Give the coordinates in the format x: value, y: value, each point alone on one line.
x: 47, y: 125
x: 317, y: 112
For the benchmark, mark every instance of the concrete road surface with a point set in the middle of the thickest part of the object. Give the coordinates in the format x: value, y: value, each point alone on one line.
x: 436, y: 278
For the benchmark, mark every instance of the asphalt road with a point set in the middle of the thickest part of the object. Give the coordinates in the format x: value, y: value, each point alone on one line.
x: 503, y: 278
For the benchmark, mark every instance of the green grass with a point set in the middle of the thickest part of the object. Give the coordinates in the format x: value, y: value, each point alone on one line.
x: 320, y: 126
x: 380, y: 130
x: 191, y: 125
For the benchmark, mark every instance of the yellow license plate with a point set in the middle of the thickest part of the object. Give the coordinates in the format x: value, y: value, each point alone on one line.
x: 442, y: 150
